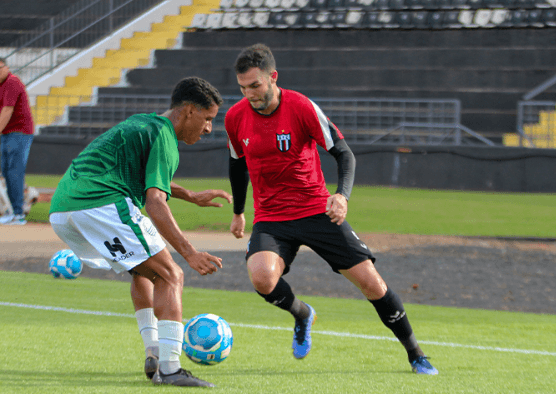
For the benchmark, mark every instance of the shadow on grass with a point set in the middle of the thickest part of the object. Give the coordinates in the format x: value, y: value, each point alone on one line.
x: 25, y: 380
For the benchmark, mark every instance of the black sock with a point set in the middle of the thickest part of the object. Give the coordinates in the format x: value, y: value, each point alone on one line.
x: 283, y: 297
x: 391, y: 312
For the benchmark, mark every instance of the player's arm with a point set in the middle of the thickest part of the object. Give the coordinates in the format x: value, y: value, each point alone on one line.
x: 159, y: 212
x: 336, y: 206
x: 239, y: 180
x: 202, y: 199
x: 5, y: 116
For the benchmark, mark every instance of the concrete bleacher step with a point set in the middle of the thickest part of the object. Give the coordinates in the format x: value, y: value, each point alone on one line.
x: 20, y: 17
x: 388, y: 38
x: 377, y: 78
x: 472, y: 58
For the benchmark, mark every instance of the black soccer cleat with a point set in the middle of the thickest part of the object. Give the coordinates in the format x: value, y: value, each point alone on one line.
x: 181, y: 378
x: 151, y: 366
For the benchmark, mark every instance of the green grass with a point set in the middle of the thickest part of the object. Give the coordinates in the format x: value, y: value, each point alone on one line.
x: 387, y: 210
x: 49, y: 351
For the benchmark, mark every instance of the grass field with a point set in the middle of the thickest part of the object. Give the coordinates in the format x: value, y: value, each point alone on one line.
x: 80, y: 336
x: 386, y: 210
x: 62, y: 336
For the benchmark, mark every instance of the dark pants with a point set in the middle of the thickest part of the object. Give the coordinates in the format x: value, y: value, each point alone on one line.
x: 14, y: 148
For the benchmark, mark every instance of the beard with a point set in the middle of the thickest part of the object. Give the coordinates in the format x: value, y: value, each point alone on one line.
x: 265, y: 100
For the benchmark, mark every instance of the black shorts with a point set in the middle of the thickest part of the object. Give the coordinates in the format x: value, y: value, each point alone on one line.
x: 338, y: 245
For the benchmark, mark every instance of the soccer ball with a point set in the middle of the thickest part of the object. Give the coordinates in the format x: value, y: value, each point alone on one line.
x: 65, y: 264
x: 207, y: 339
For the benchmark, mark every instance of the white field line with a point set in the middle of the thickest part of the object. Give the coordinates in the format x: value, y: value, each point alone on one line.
x: 263, y: 327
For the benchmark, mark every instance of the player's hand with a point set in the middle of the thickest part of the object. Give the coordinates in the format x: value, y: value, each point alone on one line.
x: 204, y: 263
x: 336, y: 208
x: 238, y: 225
x: 204, y: 198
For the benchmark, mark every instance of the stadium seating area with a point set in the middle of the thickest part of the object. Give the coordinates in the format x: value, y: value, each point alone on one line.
x: 487, y: 70
x: 486, y: 54
x: 19, y: 17
x: 378, y: 14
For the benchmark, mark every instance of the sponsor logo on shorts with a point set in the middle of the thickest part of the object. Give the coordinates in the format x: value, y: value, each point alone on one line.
x: 118, y: 247
x: 361, y: 244
x: 146, y: 225
x: 115, y: 247
x: 123, y: 257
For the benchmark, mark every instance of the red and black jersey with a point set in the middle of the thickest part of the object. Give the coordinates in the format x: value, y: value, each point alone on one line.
x: 281, y: 155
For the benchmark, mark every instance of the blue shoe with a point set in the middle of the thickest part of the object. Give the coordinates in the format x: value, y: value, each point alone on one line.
x: 422, y: 366
x: 302, y: 335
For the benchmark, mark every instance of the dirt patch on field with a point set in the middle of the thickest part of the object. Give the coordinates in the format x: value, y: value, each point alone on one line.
x: 486, y: 273
x: 391, y: 242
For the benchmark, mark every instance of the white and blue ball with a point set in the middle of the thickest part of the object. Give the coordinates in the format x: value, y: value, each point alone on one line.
x: 207, y: 339
x: 65, y: 264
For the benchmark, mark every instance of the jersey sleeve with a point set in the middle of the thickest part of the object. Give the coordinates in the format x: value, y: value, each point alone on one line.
x: 234, y: 146
x: 160, y: 167
x: 325, y: 133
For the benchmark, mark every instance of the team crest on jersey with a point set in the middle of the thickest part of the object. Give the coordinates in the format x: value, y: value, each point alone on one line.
x: 283, y: 142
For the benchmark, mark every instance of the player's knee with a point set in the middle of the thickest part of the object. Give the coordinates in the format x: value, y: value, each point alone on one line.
x: 263, y: 284
x: 177, y: 276
x: 173, y: 275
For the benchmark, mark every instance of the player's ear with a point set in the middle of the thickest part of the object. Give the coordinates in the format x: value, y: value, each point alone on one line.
x: 274, y: 76
x: 186, y: 111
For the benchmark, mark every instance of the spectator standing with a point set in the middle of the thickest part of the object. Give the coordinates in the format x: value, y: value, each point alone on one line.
x: 16, y: 126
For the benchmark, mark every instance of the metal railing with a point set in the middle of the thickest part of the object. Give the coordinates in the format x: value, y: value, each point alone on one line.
x: 536, y: 124
x: 368, y: 121
x: 64, y: 35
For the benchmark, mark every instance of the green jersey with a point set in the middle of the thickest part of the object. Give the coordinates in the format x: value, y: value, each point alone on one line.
x: 125, y: 161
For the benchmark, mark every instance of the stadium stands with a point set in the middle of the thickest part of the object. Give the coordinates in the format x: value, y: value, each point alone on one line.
x: 380, y: 14
x: 487, y: 70
x: 19, y: 17
x: 485, y: 53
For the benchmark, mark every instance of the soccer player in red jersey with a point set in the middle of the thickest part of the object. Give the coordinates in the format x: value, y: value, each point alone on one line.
x: 273, y: 135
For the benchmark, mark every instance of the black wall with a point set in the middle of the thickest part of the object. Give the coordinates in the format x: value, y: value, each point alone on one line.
x: 442, y: 167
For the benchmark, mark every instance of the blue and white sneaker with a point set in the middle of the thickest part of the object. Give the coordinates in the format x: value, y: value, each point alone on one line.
x: 422, y: 366
x: 302, y: 334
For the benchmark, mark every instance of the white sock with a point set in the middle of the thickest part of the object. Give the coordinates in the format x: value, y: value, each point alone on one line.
x: 148, y: 328
x: 170, y: 341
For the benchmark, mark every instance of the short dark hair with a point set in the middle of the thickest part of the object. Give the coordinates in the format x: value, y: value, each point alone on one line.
x: 3, y: 60
x: 258, y: 55
x: 196, y: 91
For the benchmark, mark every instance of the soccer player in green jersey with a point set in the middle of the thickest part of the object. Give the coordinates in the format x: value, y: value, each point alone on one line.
x: 96, y: 211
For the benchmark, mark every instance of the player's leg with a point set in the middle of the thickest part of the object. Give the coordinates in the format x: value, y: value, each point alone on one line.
x: 266, y: 265
x: 167, y: 279
x: 143, y: 298
x: 141, y: 287
x: 348, y: 255
x: 391, y: 311
x: 129, y: 241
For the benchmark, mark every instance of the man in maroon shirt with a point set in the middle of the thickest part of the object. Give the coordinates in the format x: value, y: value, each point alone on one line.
x: 16, y: 126
x: 273, y: 135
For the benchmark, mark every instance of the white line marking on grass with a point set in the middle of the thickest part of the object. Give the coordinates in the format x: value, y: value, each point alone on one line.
x: 68, y: 310
x: 263, y: 327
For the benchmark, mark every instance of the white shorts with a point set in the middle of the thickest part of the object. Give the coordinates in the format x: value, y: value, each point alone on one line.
x: 116, y: 236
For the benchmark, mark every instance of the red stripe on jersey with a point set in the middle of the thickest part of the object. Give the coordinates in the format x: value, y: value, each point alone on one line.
x: 281, y: 155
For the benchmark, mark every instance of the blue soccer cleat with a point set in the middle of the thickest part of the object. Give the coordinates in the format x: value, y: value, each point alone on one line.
x: 302, y: 335
x: 422, y: 366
